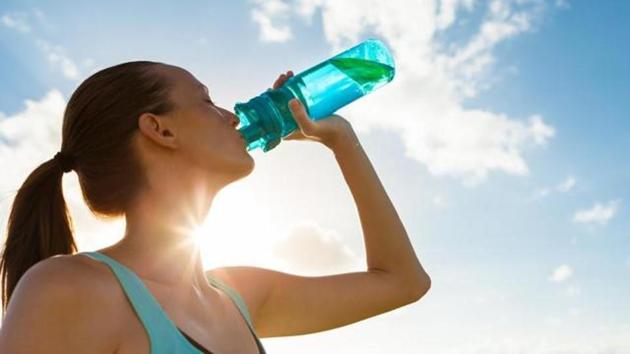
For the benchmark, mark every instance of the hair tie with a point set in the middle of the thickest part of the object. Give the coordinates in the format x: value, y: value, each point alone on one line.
x: 65, y: 161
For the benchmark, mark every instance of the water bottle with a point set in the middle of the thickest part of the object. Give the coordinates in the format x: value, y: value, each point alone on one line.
x: 322, y: 89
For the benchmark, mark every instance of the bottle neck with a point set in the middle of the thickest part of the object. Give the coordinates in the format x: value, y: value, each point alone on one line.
x: 260, y: 123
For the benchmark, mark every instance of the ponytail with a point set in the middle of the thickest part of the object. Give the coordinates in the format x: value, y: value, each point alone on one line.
x: 39, y: 226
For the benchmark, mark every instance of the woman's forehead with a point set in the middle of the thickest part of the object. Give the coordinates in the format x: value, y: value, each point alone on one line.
x: 184, y: 80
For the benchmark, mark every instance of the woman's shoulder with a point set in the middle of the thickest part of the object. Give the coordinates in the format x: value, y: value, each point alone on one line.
x: 75, y: 281
x: 62, y: 294
x: 68, y: 273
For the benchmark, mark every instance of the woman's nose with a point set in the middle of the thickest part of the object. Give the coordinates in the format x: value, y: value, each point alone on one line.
x: 234, y: 120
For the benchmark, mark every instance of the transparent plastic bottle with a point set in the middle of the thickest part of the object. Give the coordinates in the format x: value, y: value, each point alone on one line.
x: 322, y: 89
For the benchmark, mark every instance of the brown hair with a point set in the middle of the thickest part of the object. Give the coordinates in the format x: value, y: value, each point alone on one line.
x: 98, y: 125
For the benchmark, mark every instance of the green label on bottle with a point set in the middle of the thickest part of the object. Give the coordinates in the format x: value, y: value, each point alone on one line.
x: 364, y: 72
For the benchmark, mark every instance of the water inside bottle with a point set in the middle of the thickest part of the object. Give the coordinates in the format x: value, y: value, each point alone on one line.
x: 337, y: 81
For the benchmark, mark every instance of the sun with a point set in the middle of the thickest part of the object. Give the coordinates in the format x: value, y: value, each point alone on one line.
x: 228, y: 237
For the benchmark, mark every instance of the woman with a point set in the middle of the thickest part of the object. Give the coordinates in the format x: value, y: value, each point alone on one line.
x: 148, y: 143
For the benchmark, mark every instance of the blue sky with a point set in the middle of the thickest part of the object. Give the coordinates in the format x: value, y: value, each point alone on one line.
x: 502, y: 141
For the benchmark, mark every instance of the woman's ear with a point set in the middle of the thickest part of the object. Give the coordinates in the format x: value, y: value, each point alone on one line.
x: 157, y: 129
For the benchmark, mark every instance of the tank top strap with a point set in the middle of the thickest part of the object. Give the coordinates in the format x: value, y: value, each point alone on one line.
x: 234, y: 295
x: 159, y: 327
x: 240, y: 303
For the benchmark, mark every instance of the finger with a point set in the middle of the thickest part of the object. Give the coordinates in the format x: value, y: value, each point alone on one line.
x: 295, y: 135
x: 281, y: 80
x: 301, y: 116
x: 278, y: 82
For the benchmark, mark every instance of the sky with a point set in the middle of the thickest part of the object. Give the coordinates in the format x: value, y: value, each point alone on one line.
x: 502, y: 141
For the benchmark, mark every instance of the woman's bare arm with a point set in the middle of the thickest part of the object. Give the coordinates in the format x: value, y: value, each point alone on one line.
x: 387, y: 244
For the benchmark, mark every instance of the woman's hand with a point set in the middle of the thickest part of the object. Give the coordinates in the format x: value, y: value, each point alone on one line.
x: 330, y: 131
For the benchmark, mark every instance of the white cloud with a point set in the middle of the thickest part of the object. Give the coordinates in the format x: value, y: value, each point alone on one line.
x: 306, y: 9
x: 15, y: 21
x: 310, y: 248
x: 599, y: 213
x: 567, y: 184
x: 34, y: 130
x: 27, y: 139
x: 447, y: 10
x: 56, y: 56
x: 424, y: 103
x: 561, y: 273
x: 268, y: 12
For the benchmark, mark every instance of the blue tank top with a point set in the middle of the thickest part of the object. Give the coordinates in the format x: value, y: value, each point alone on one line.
x: 164, y: 336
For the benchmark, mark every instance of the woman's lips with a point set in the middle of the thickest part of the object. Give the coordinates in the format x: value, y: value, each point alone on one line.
x: 240, y: 136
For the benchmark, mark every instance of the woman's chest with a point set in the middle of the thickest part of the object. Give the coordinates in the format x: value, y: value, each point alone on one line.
x: 219, y: 328
x: 136, y: 341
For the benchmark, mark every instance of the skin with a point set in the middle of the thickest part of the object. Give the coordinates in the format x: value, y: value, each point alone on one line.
x: 198, y: 145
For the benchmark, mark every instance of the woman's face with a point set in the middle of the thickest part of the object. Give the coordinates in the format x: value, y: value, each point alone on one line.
x: 206, y: 133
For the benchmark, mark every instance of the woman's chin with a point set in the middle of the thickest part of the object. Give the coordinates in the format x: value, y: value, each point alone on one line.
x: 246, y: 166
